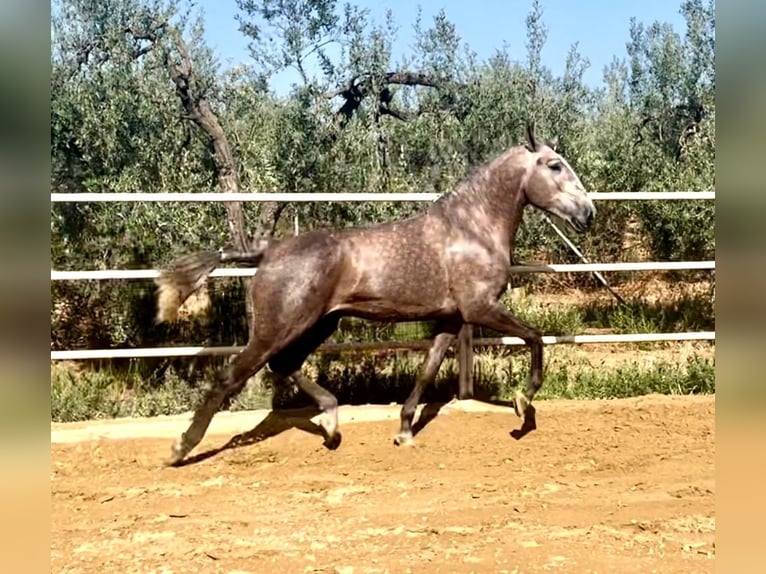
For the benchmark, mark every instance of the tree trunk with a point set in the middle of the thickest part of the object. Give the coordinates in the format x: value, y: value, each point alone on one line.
x: 226, y: 169
x: 198, y: 110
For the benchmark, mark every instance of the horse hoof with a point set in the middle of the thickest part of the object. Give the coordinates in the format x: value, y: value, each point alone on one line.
x: 404, y: 440
x: 176, y: 455
x: 333, y: 441
x: 174, y: 460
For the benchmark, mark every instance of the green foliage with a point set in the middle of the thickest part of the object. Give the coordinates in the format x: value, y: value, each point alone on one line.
x: 697, y: 376
x: 292, y: 33
x: 636, y: 316
x: 551, y: 319
x: 110, y: 394
x: 362, y: 379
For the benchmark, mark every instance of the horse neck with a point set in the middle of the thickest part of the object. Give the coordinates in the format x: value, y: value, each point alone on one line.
x: 491, y: 202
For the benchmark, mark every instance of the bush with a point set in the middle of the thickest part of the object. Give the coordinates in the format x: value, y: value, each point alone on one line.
x: 376, y: 379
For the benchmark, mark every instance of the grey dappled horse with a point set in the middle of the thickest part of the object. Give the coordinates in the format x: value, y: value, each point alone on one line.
x: 450, y: 264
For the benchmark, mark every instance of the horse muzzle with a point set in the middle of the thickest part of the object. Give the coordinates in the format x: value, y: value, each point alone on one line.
x: 584, y: 218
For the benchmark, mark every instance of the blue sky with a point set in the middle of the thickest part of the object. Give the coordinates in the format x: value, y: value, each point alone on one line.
x: 599, y: 26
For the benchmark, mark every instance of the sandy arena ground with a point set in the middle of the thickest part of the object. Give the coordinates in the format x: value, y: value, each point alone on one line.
x: 599, y: 486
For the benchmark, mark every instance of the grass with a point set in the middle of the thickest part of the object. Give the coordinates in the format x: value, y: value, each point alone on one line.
x: 696, y: 376
x: 549, y: 317
x: 95, y: 394
x: 83, y: 395
x: 636, y: 316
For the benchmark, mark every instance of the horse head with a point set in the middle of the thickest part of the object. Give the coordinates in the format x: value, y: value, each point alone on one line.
x: 551, y: 185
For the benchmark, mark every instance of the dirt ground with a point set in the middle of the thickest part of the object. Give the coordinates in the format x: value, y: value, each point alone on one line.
x: 599, y: 486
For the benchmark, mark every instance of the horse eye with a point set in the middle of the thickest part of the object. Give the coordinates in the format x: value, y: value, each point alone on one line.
x: 555, y: 166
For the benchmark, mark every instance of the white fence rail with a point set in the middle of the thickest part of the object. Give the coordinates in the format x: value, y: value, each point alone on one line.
x: 376, y: 346
x: 340, y: 196
x: 552, y: 268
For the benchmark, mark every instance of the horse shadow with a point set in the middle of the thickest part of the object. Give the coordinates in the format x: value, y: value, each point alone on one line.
x: 428, y: 413
x: 431, y: 410
x: 279, y: 421
x: 530, y: 420
x: 275, y: 423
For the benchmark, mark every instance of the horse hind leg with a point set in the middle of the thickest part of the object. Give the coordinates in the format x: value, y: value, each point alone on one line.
x: 327, y: 402
x: 230, y: 382
x: 287, y: 364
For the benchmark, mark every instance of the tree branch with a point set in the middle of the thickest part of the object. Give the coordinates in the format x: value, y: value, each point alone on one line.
x: 411, y: 79
x: 358, y: 87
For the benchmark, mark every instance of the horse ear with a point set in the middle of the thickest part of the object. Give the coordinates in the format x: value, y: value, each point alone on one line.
x: 554, y: 144
x: 531, y: 143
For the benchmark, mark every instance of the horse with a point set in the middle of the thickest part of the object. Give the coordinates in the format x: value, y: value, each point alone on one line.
x: 450, y: 264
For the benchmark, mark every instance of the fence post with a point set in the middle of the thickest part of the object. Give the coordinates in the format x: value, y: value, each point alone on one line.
x: 465, y: 362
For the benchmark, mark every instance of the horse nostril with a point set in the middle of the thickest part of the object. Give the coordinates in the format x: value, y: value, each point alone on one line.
x: 591, y: 216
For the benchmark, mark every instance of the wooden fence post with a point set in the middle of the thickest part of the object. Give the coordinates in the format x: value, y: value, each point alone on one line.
x: 465, y: 362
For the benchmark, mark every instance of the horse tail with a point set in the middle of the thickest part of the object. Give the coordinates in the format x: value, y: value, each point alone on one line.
x: 188, y: 274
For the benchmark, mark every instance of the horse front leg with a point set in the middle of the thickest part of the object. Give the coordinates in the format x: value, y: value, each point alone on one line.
x: 496, y: 317
x: 428, y: 371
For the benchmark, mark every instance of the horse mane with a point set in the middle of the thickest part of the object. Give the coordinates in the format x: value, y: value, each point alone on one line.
x: 476, y: 178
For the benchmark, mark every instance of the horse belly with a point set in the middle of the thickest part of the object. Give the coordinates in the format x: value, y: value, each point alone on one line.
x: 387, y: 309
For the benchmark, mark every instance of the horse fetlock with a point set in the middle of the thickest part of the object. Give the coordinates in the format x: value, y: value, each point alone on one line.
x: 521, y: 404
x: 533, y: 385
x: 404, y: 439
x: 329, y: 421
